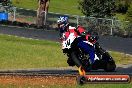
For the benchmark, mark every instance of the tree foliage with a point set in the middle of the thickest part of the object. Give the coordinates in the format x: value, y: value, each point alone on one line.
x: 122, y: 5
x: 97, y: 8
x: 129, y: 14
x: 6, y: 2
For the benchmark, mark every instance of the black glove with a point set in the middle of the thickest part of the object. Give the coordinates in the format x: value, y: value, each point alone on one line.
x: 91, y: 39
x: 83, y: 35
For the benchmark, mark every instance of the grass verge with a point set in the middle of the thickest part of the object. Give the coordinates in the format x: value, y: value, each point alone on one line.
x: 57, y: 6
x: 69, y: 86
x: 20, y: 53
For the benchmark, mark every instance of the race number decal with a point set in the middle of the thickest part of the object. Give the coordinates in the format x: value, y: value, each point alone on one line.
x: 68, y: 43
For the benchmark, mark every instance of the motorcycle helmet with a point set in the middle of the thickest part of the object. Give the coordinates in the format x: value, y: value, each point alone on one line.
x: 62, y: 23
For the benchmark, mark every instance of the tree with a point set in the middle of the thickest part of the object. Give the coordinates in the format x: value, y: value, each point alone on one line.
x: 129, y: 14
x: 6, y: 2
x: 122, y: 5
x: 97, y: 8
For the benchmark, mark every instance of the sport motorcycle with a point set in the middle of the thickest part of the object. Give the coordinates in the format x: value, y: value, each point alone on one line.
x: 78, y: 57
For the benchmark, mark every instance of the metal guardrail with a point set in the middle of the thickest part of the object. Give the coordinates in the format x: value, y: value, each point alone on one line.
x: 102, y: 26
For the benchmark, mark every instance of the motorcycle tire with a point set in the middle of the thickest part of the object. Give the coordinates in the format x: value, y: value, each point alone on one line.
x: 78, y: 62
x: 76, y: 59
x: 110, y: 66
x: 70, y: 62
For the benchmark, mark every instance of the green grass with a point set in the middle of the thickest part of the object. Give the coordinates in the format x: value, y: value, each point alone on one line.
x: 28, y: 4
x: 69, y: 86
x: 16, y: 53
x: 57, y: 6
x: 19, y: 53
x: 121, y: 58
x: 106, y: 86
x: 121, y: 17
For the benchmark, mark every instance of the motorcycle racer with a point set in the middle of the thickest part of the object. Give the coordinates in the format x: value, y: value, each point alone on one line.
x: 85, y: 40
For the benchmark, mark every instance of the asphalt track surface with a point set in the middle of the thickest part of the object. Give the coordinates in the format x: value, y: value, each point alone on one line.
x: 123, y: 45
x: 110, y: 43
x: 120, y: 70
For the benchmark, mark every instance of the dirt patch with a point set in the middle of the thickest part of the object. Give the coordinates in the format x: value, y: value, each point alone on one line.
x: 37, y: 80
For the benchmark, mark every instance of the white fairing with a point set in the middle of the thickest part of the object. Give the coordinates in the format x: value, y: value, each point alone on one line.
x: 67, y: 43
x: 96, y: 57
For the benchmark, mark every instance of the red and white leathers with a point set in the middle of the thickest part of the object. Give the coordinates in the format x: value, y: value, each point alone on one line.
x: 84, y: 40
x: 71, y: 30
x: 78, y: 32
x: 68, y: 37
x: 88, y: 37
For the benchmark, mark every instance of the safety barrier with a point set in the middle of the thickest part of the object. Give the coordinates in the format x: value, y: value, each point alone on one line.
x: 102, y: 26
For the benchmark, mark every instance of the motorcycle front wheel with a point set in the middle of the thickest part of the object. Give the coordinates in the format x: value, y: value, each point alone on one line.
x: 77, y: 58
x: 110, y: 66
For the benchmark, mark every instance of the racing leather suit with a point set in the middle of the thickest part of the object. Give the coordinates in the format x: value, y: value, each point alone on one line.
x: 85, y: 41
